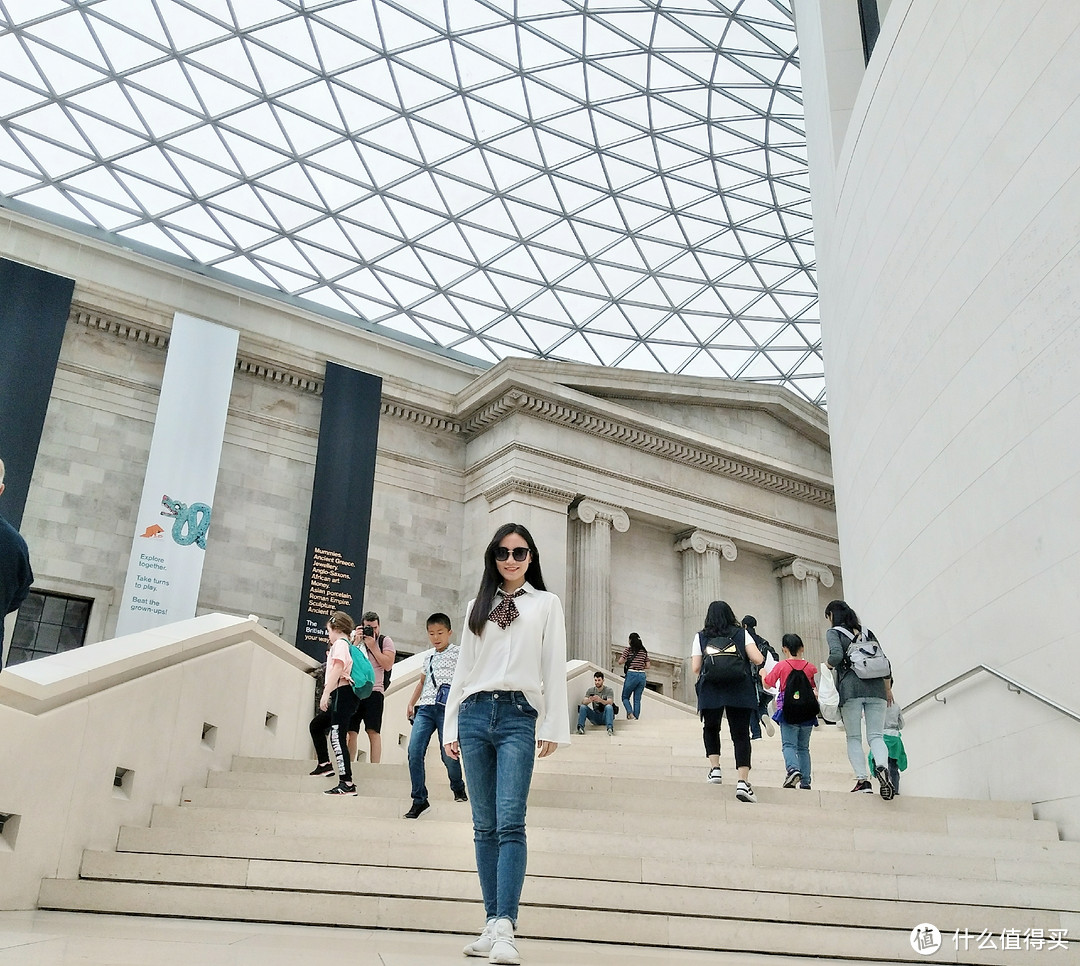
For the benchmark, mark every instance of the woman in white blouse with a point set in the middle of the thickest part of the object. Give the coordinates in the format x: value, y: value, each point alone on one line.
x: 507, y: 705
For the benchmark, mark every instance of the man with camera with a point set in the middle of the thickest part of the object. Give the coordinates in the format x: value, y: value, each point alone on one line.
x: 380, y: 651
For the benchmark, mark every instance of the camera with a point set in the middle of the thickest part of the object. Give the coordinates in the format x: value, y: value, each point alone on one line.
x: 369, y: 630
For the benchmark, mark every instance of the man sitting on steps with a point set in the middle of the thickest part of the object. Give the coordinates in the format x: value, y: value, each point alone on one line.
x: 599, y: 706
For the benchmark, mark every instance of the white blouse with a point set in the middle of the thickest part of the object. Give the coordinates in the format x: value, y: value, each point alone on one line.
x: 528, y: 656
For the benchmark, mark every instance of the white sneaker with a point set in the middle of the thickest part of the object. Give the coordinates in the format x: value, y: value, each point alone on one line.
x: 481, y: 946
x: 744, y: 793
x: 768, y: 725
x: 715, y: 777
x: 503, y: 950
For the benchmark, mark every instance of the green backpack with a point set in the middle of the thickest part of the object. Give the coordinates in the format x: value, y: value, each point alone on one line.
x: 362, y: 675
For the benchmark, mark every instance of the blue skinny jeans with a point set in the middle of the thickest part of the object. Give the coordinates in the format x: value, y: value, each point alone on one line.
x: 601, y: 716
x: 427, y: 720
x: 497, y: 735
x: 795, y: 741
x: 632, y: 689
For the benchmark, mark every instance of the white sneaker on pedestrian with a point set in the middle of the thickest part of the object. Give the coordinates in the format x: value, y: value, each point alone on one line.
x: 744, y: 793
x: 481, y: 946
x: 503, y: 949
x: 715, y: 776
x: 767, y: 724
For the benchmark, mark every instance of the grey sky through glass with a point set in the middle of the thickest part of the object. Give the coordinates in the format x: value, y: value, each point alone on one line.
x: 619, y: 183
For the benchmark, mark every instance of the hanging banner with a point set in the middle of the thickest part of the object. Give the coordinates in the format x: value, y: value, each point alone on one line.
x: 175, y: 512
x: 335, y: 567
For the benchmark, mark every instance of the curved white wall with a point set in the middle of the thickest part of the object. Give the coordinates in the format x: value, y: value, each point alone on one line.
x: 949, y: 255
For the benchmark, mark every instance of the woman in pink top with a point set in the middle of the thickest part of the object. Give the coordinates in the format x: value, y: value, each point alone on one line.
x: 794, y: 736
x: 336, y: 707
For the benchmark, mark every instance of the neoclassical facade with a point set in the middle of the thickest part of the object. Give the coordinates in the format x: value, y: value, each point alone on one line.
x: 649, y: 495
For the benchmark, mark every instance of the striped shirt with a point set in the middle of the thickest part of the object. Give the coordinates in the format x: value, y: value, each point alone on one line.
x: 639, y: 661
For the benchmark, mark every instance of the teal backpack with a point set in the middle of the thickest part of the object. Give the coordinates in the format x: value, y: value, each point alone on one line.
x: 362, y: 675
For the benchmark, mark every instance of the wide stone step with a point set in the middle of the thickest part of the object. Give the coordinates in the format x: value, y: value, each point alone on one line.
x: 652, y: 797
x: 454, y: 854
x: 740, y: 828
x: 557, y: 852
x: 711, y: 932
x: 549, y: 891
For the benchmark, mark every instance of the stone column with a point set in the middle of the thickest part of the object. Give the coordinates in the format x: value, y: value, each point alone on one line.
x: 801, y: 604
x: 589, y: 630
x: 702, y: 554
x: 537, y: 506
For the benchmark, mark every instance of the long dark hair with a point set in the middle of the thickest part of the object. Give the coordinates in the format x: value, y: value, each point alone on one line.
x: 491, y: 580
x: 720, y: 621
x: 634, y: 647
x: 842, y: 615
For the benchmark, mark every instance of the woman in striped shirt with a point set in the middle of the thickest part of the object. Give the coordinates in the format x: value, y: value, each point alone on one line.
x: 635, y: 660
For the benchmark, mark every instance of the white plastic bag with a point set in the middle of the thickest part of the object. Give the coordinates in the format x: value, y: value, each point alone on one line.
x: 827, y: 695
x: 770, y: 663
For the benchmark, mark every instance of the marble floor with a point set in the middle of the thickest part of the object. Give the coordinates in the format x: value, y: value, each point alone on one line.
x: 79, y: 939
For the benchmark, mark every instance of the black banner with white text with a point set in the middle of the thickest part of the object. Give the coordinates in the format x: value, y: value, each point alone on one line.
x: 339, y: 527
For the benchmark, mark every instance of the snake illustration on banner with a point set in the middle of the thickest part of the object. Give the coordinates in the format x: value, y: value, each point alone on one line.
x: 194, y: 519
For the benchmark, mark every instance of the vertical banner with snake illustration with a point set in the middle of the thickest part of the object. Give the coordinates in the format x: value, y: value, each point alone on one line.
x: 335, y: 567
x: 173, y: 525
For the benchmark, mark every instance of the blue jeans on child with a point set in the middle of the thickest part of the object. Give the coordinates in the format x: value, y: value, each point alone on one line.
x: 605, y: 716
x: 497, y: 735
x: 795, y: 741
x: 427, y: 720
x: 632, y: 689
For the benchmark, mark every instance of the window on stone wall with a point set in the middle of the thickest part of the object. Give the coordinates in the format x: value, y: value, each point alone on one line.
x: 48, y: 623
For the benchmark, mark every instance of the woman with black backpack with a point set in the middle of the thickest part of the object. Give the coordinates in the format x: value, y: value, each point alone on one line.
x: 859, y: 698
x: 724, y: 658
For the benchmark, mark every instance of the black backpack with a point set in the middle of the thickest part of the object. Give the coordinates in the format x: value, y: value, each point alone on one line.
x: 725, y: 666
x: 800, y: 702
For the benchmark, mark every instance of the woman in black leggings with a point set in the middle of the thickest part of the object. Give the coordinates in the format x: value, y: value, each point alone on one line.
x: 336, y: 707
x: 732, y: 691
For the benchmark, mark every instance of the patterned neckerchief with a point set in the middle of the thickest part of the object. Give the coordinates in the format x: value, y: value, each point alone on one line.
x: 506, y: 612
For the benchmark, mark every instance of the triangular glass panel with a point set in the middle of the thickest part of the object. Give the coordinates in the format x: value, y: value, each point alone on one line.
x: 575, y: 348
x: 416, y: 88
x: 641, y: 357
x: 484, y: 243
x: 405, y: 26
x: 459, y: 196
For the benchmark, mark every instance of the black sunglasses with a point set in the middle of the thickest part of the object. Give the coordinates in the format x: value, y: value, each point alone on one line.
x: 520, y: 553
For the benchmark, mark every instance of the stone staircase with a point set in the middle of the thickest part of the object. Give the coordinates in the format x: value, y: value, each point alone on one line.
x: 675, y: 861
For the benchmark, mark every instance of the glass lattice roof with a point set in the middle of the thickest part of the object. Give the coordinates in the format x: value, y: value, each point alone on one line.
x: 619, y: 182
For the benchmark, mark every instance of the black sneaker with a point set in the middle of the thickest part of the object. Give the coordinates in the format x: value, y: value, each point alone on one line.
x: 320, y: 771
x: 887, y: 790
x: 418, y: 809
x: 863, y: 785
x: 461, y: 797
x: 793, y: 778
x: 581, y: 731
x: 341, y: 788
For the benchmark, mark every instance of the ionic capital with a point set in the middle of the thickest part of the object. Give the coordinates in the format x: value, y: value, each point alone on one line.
x: 529, y: 489
x: 701, y: 540
x: 589, y: 511
x: 801, y: 569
